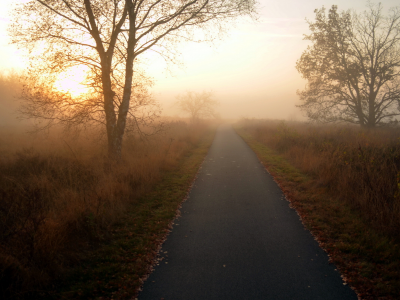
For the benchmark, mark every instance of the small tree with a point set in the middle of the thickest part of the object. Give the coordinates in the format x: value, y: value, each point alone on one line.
x: 108, y: 36
x: 197, y: 105
x: 352, y: 67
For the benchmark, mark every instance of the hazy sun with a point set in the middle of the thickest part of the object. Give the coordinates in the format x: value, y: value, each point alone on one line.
x: 71, y: 81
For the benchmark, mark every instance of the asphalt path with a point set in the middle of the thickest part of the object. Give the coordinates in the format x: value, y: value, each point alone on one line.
x: 238, y: 238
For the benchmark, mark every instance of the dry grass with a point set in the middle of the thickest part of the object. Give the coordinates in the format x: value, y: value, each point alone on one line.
x: 58, y: 198
x: 359, y: 166
x: 343, y: 182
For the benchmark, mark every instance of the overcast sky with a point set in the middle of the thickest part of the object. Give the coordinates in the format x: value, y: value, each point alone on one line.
x: 251, y: 71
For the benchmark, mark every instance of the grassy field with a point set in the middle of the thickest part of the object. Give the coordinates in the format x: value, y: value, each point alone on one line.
x: 344, y: 183
x: 74, y: 227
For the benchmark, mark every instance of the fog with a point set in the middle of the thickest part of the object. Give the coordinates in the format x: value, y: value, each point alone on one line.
x: 9, y: 90
x: 251, y: 70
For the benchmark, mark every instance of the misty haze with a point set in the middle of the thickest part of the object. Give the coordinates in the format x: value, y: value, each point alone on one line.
x: 239, y: 149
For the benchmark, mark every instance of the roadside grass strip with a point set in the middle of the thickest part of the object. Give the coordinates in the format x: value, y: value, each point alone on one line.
x: 120, y: 264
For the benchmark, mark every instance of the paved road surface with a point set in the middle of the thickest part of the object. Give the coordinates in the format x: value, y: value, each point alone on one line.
x: 238, y: 238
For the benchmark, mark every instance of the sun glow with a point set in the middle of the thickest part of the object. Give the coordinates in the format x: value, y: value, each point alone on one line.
x: 72, y: 81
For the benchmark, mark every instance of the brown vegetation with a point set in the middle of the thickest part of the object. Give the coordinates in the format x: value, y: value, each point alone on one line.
x: 362, y: 167
x: 59, y: 198
x: 343, y: 182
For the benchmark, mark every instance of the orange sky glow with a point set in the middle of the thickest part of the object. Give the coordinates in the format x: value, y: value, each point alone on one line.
x: 71, y: 81
x: 251, y: 70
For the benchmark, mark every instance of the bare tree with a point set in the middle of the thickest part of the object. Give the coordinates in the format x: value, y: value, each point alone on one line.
x: 108, y: 36
x: 197, y: 105
x: 46, y: 105
x: 352, y: 67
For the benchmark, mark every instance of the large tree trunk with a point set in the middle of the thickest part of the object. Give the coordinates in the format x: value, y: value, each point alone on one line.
x: 371, y: 108
x: 115, y: 125
x: 359, y: 111
x: 117, y: 128
x: 111, y: 118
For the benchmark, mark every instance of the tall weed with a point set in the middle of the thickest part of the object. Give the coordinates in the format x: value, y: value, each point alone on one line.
x: 59, y: 197
x: 362, y: 167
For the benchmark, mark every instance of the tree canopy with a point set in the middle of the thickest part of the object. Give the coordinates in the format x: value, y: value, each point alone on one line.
x: 108, y: 36
x: 352, y: 67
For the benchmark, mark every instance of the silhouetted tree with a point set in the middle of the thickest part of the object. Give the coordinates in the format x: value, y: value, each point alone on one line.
x: 197, y: 105
x: 108, y: 36
x: 352, y: 67
x: 42, y: 101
